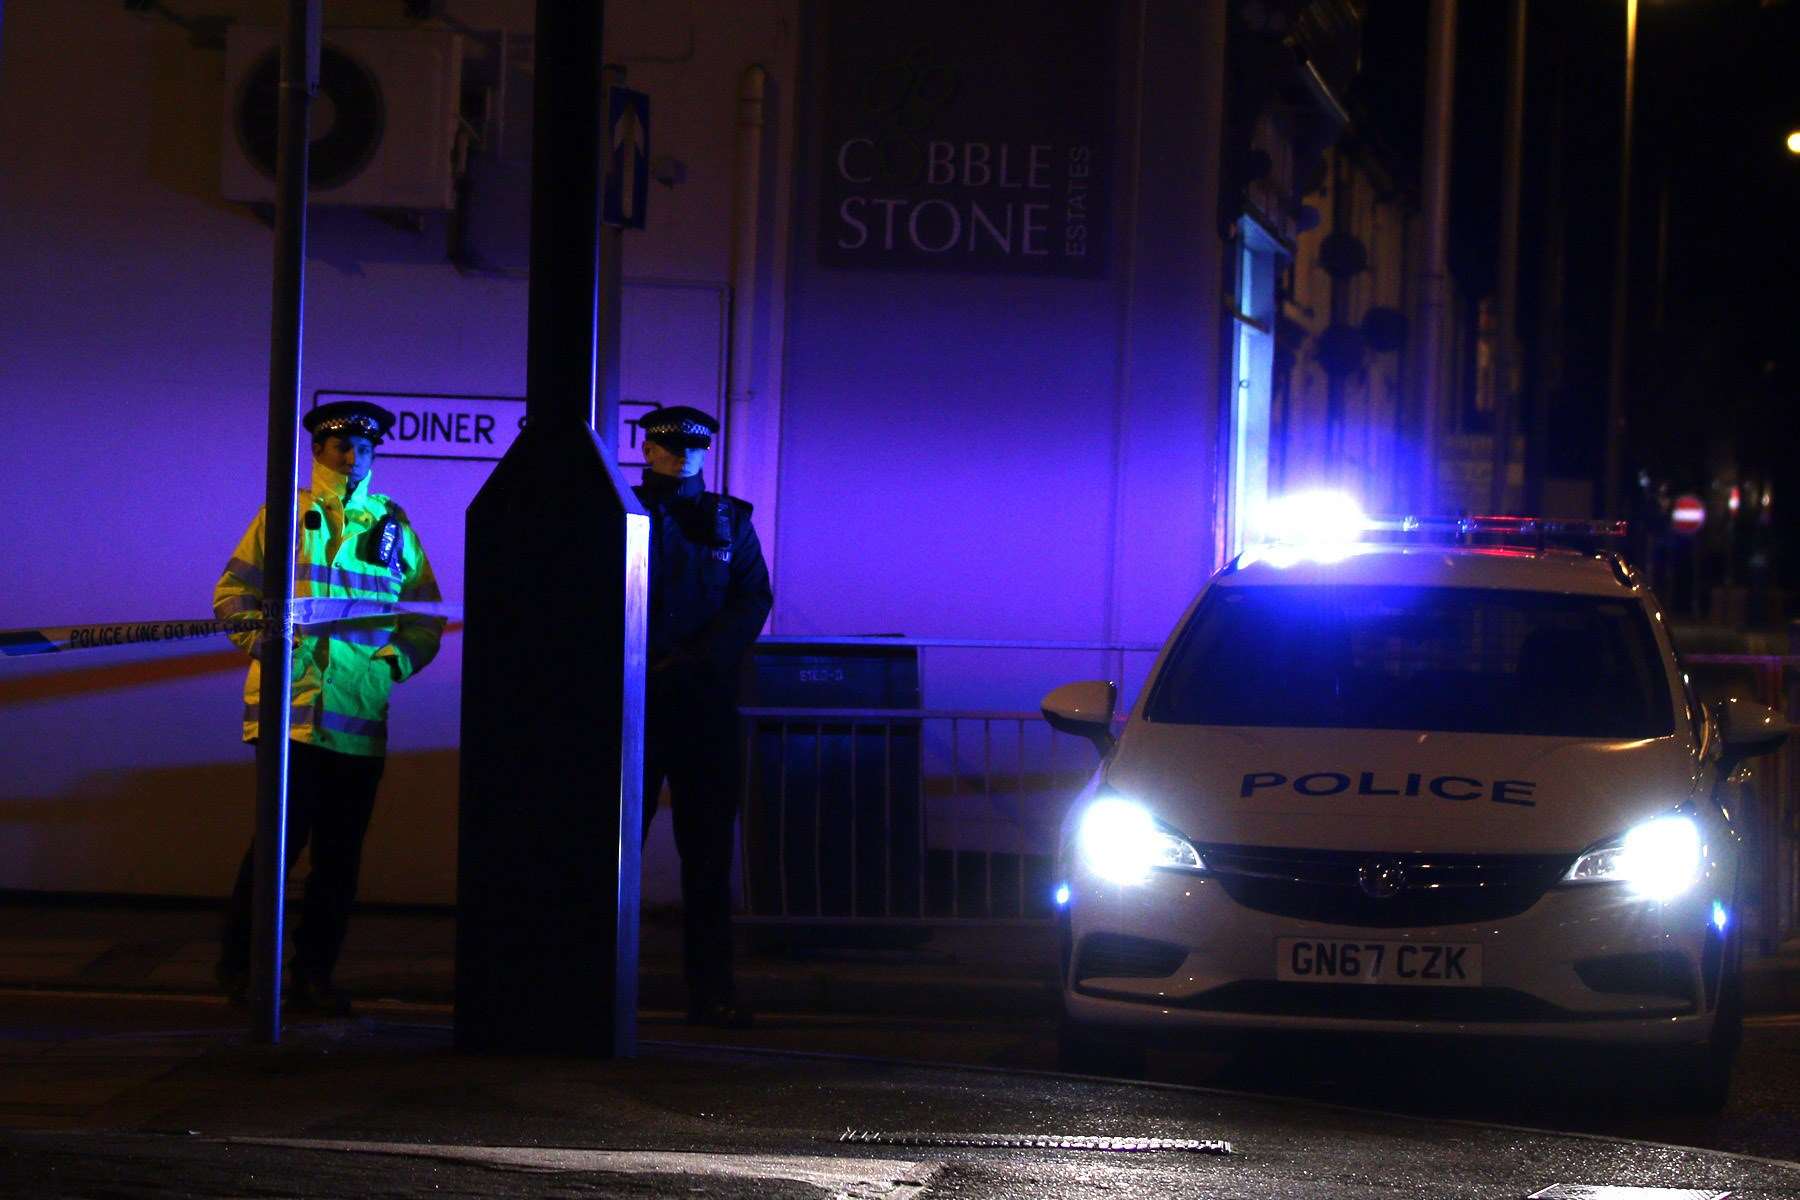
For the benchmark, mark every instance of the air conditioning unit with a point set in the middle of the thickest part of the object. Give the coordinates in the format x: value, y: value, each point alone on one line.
x: 384, y: 121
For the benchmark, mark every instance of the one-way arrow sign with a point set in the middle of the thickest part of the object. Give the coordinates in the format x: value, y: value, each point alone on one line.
x: 628, y: 158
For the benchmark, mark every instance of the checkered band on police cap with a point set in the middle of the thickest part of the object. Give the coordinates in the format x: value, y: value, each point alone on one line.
x: 350, y: 418
x: 679, y: 425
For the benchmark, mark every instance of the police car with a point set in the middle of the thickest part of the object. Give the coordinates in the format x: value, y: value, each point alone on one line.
x: 1414, y: 776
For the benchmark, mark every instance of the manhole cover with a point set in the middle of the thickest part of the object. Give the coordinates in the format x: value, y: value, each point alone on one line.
x: 1035, y: 1141
x: 1606, y: 1191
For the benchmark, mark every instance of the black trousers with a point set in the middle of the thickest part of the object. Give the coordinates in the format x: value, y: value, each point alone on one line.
x: 692, y: 742
x: 330, y: 799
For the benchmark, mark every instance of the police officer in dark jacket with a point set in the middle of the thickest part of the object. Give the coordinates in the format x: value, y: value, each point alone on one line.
x: 709, y: 596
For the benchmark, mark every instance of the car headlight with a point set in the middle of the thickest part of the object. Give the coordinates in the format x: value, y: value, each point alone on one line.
x: 1121, y: 842
x: 1659, y: 859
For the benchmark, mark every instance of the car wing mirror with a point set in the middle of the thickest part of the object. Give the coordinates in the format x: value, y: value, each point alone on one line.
x: 1747, y: 729
x: 1084, y: 709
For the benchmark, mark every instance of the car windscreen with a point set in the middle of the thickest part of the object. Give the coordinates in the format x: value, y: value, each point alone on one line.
x: 1462, y: 660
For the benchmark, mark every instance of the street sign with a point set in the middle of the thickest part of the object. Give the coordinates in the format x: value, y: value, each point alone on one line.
x: 437, y: 425
x: 1688, y: 515
x: 627, y: 191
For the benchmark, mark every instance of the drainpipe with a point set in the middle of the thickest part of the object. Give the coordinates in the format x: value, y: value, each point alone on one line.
x: 746, y: 219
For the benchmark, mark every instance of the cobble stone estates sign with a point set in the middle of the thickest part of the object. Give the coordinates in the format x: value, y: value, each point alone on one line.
x: 967, y: 136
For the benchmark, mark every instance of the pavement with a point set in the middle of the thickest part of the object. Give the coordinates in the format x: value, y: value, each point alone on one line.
x: 937, y: 972
x: 940, y: 972
x: 121, y: 1074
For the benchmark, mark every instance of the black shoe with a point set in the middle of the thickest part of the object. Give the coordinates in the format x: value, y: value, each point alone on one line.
x: 721, y: 1014
x: 235, y: 983
x: 311, y: 992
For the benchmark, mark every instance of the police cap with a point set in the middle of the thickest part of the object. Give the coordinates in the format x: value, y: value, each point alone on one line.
x: 350, y: 418
x: 678, y: 427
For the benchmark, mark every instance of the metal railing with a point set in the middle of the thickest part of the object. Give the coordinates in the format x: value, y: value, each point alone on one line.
x: 910, y: 815
x: 903, y: 815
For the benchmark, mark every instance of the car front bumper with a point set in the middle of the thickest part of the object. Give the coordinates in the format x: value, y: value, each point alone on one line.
x: 1537, y: 973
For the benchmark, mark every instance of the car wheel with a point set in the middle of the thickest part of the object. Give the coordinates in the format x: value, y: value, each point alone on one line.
x: 1698, y: 1079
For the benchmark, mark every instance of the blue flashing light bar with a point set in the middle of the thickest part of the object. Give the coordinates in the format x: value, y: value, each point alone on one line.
x: 1314, y: 519
x: 1330, y: 526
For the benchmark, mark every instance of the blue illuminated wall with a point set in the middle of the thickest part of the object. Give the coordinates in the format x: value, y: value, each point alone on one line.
x: 970, y: 449
x: 133, y: 369
x: 970, y: 453
x: 136, y: 308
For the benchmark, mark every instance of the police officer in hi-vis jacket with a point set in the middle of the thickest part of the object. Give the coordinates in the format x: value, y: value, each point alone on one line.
x: 709, y: 596
x: 351, y: 544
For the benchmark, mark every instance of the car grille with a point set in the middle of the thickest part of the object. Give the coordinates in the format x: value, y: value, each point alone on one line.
x: 1119, y: 956
x: 1439, y: 889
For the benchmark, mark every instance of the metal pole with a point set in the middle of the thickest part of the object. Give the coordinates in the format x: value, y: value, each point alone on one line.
x: 781, y: 821
x: 855, y: 846
x: 1506, y: 358
x: 561, y: 355
x: 1615, y: 376
x: 987, y: 802
x: 1427, y: 366
x: 955, y: 818
x: 299, y: 80
x: 1775, y: 913
x: 1550, y: 307
x: 612, y: 242
x: 1019, y: 823
x: 887, y: 818
x: 1660, y: 316
x: 747, y: 763
x: 819, y: 819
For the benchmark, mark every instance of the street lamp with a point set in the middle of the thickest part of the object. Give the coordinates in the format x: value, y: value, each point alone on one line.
x: 1793, y: 142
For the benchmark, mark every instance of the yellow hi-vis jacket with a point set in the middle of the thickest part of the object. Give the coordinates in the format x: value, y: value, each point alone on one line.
x: 341, y: 677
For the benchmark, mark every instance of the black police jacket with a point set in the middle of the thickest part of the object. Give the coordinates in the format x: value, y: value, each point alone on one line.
x: 709, y: 586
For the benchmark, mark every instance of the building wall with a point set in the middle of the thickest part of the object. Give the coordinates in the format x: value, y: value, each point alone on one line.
x: 1035, y: 454
x: 137, y: 309
x: 988, y: 457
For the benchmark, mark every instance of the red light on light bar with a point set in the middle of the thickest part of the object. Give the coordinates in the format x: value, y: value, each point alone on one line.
x: 1533, y: 527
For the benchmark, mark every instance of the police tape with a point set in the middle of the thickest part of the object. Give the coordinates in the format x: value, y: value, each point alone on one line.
x: 313, y: 611
x: 310, y: 612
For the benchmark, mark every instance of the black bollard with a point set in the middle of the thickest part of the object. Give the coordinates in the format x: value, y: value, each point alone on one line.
x: 553, y: 647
